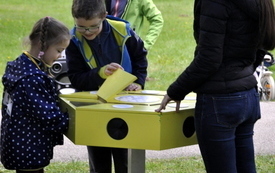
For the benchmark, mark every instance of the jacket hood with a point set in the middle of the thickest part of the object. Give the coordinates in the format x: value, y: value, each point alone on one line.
x: 18, y: 69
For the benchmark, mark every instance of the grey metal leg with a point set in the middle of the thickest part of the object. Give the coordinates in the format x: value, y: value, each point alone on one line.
x: 136, y: 161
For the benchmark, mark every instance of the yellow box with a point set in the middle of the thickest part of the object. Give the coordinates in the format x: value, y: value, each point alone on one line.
x: 129, y: 125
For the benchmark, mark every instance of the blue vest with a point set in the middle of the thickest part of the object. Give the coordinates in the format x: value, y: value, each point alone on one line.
x: 120, y: 28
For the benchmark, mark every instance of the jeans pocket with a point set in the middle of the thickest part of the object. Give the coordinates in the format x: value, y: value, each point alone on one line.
x: 230, y: 111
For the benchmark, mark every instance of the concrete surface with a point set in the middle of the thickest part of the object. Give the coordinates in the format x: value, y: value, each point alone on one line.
x: 264, y: 141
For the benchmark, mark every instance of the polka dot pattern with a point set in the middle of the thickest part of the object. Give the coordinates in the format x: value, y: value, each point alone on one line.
x: 36, y: 123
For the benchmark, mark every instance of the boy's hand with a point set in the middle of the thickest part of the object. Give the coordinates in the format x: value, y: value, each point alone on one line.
x: 111, y: 68
x: 133, y: 87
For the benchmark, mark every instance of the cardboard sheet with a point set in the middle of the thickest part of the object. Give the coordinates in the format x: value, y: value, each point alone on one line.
x: 114, y: 84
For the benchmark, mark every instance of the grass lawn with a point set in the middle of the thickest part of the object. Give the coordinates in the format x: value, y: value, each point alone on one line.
x: 265, y: 164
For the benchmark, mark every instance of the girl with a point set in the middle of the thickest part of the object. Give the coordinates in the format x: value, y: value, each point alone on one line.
x: 32, y: 123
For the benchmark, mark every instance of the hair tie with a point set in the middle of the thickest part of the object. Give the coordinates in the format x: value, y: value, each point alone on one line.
x: 41, y: 53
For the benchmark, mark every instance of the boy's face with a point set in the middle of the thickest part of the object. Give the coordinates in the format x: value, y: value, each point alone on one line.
x: 88, y: 28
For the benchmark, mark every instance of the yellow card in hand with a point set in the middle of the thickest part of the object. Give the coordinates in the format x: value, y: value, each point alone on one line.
x: 114, y: 84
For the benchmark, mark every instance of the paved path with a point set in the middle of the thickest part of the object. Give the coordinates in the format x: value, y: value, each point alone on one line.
x: 264, y: 141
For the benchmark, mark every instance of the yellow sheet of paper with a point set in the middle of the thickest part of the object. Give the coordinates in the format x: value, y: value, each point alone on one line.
x: 115, y: 83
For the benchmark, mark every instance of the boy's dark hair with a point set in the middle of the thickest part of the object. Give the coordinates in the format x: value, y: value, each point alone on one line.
x: 88, y: 9
x: 48, y: 31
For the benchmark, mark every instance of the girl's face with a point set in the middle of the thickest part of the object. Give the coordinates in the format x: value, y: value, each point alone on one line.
x: 54, y: 52
x: 89, y: 28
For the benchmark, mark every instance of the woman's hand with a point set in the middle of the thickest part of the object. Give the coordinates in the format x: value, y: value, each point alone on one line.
x: 165, y: 101
x: 111, y: 68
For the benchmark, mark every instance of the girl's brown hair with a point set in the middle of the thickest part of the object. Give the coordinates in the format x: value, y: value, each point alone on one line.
x: 48, y: 31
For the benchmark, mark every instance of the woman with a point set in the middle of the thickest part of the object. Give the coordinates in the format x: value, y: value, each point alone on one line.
x: 230, y: 36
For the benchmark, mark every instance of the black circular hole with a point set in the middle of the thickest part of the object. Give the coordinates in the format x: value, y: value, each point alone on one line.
x: 117, y: 128
x: 188, y: 127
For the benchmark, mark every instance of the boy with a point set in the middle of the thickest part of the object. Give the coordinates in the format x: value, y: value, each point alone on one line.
x: 100, y: 45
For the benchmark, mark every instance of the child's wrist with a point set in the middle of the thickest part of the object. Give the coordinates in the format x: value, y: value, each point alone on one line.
x: 101, y: 72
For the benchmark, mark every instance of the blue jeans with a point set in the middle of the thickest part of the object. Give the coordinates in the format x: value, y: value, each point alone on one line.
x: 224, y: 125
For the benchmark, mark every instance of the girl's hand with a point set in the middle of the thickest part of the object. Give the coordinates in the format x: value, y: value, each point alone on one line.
x: 111, y: 68
x: 133, y: 87
x: 165, y: 101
